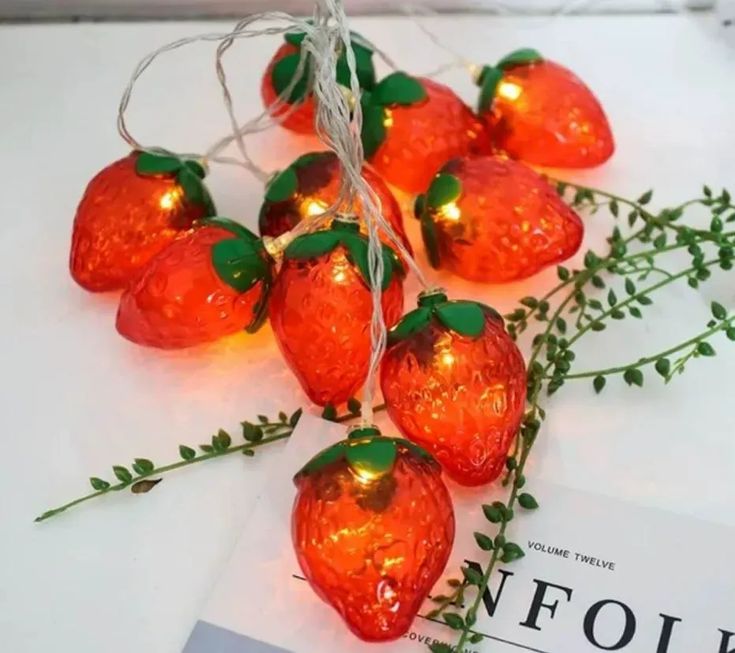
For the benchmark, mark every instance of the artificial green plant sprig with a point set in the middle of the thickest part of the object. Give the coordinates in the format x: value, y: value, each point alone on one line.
x: 143, y: 475
x: 586, y: 301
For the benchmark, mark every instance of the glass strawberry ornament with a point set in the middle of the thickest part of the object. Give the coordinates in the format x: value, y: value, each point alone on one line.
x: 542, y: 113
x: 309, y: 186
x: 130, y: 211
x: 412, y: 126
x: 321, y: 308
x: 454, y: 382
x: 372, y: 527
x: 283, y: 68
x: 211, y: 283
x: 492, y: 219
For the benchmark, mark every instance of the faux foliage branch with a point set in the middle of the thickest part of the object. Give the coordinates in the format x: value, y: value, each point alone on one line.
x: 143, y: 475
x: 618, y: 285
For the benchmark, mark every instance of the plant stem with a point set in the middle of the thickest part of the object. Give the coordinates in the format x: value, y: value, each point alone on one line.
x: 167, y: 468
x: 653, y: 358
x: 284, y: 430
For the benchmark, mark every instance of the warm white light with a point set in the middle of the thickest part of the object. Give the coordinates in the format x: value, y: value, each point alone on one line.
x: 509, y: 90
x: 451, y: 211
x: 314, y: 207
x: 388, y: 120
x: 169, y: 199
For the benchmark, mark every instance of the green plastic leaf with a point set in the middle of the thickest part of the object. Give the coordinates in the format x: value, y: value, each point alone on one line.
x: 363, y: 67
x: 399, y: 88
x: 472, y: 576
x: 157, y: 164
x: 599, y: 383
x: 663, y: 367
x: 484, y: 542
x: 464, y: 317
x: 283, y: 186
x: 411, y: 323
x: 520, y: 57
x: 419, y: 206
x: 323, y: 458
x: 453, y: 620
x: 295, y: 38
x: 194, y: 189
x: 143, y: 466
x: 440, y: 647
x: 260, y: 310
x: 372, y: 458
x: 122, y: 474
x: 373, y: 127
x: 431, y: 241
x: 492, y: 513
x: 357, y: 247
x: 633, y: 376
x: 98, y: 484
x: 311, y: 245
x: 239, y: 263
x: 187, y: 453
x: 284, y: 71
x: 489, y: 79
x: 705, y: 349
x: 235, y: 228
x: 445, y: 188
x: 719, y: 312
x: 527, y: 501
x: 196, y: 167
x: 511, y: 552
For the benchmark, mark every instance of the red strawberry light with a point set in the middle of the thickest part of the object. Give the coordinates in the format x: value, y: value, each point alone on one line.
x: 455, y: 383
x: 542, y: 113
x: 321, y: 307
x: 373, y: 527
x: 209, y: 284
x: 130, y: 211
x: 493, y: 219
x: 282, y: 69
x: 411, y: 127
x: 309, y: 186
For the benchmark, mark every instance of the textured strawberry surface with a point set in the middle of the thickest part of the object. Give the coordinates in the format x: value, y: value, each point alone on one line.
x: 374, y: 549
x: 179, y: 301
x: 318, y: 188
x: 301, y: 120
x: 320, y: 311
x: 424, y: 136
x: 461, y: 399
x: 509, y: 222
x: 123, y: 220
x: 544, y: 114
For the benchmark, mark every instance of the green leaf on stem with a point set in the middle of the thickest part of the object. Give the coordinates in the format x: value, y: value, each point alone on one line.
x: 527, y: 501
x: 663, y: 367
x: 187, y: 453
x: 454, y: 621
x: 705, y: 349
x: 633, y: 376
x: 599, y: 383
x: 472, y: 576
x: 719, y: 312
x: 484, y: 542
x: 98, y: 484
x: 122, y: 474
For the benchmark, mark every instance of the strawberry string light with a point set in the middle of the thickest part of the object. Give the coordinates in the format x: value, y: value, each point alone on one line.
x: 455, y: 383
x: 492, y: 219
x: 309, y: 186
x: 130, y: 211
x: 540, y: 112
x: 321, y: 309
x: 373, y: 527
x: 209, y: 284
x: 412, y: 126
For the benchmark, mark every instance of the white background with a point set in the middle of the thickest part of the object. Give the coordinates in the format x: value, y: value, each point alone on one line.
x: 132, y: 573
x: 172, y: 8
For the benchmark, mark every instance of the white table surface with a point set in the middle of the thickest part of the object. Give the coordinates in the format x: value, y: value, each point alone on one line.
x: 131, y: 573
